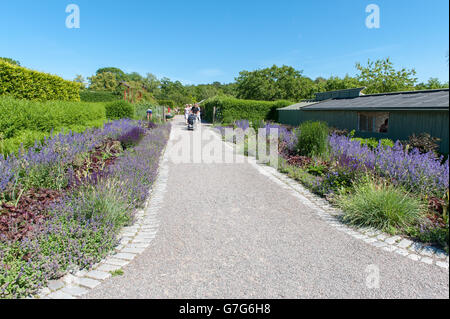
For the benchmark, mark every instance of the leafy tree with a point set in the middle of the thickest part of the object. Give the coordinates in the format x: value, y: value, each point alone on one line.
x: 271, y: 84
x: 80, y: 79
x: 432, y: 84
x: 152, y: 83
x: 134, y: 76
x: 174, y: 91
x: 104, y: 81
x: 336, y: 83
x: 10, y: 61
x: 380, y: 77
x: 119, y: 74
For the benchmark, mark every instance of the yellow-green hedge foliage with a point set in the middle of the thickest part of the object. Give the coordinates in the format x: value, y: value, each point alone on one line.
x: 27, y: 84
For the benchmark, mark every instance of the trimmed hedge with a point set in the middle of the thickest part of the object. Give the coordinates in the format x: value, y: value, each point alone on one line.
x: 119, y: 110
x: 98, y: 96
x: 27, y: 84
x: 23, y: 121
x: 229, y: 110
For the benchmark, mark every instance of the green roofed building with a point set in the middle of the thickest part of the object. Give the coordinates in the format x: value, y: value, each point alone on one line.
x: 395, y: 115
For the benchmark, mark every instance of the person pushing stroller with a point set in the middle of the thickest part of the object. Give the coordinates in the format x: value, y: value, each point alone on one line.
x: 193, y: 117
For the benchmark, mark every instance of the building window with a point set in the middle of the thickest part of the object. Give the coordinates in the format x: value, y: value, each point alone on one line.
x: 375, y: 122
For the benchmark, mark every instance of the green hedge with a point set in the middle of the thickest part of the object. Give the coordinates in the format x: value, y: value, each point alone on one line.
x: 119, y: 110
x: 229, y: 110
x: 98, y: 96
x: 27, y: 84
x: 23, y: 121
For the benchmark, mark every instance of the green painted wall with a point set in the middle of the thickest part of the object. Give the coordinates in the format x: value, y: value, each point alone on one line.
x: 402, y: 124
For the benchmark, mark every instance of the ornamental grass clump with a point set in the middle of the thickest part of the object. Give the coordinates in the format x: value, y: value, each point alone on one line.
x: 312, y: 139
x: 381, y: 206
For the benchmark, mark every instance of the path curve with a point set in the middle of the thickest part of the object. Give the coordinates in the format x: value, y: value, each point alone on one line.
x: 228, y: 231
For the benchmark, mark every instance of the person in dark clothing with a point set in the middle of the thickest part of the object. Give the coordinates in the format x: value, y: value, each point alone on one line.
x: 384, y: 127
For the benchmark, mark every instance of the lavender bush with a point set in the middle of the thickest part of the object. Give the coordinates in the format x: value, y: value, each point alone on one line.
x: 83, y: 227
x: 45, y: 165
x: 421, y: 173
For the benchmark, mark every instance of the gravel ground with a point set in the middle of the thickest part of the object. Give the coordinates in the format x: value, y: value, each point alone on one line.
x: 227, y: 231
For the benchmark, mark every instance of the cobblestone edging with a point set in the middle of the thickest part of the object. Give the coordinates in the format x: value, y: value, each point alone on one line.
x: 133, y: 241
x: 410, y: 249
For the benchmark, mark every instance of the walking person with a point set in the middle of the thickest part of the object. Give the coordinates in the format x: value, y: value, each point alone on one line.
x: 187, y: 111
x: 199, y: 114
x: 195, y: 111
x: 149, y: 115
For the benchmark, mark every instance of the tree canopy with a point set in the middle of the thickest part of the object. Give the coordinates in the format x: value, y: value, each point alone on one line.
x: 270, y: 84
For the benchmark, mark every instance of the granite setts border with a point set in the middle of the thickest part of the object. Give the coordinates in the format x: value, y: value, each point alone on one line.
x: 396, y: 244
x: 134, y: 240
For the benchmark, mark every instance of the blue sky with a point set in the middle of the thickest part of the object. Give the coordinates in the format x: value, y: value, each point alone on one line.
x: 201, y: 41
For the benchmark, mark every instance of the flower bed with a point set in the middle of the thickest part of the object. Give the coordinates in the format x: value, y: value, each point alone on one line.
x: 64, y: 201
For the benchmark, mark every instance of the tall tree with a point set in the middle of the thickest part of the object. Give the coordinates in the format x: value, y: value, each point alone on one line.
x: 119, y: 74
x: 80, y: 79
x: 380, y: 76
x: 272, y: 84
x: 104, y: 81
x: 432, y: 84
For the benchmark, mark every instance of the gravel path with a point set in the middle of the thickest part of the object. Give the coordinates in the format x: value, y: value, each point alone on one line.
x: 227, y: 231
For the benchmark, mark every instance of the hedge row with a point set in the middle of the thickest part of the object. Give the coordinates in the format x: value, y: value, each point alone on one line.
x: 27, y: 84
x: 229, y: 110
x: 119, y: 110
x: 23, y: 121
x: 98, y: 96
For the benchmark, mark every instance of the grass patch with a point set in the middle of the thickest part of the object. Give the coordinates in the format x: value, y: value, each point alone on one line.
x: 118, y: 272
x: 381, y: 206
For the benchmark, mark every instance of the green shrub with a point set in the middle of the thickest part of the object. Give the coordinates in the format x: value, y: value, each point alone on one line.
x: 98, y: 96
x: 27, y: 138
x: 119, y: 110
x: 312, y: 138
x: 23, y: 121
x: 229, y: 110
x: 23, y: 83
x: 382, y: 206
x: 373, y: 143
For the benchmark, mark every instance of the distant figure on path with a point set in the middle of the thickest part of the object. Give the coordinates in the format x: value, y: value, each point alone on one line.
x: 199, y: 113
x: 195, y: 111
x: 149, y: 115
x: 187, y: 111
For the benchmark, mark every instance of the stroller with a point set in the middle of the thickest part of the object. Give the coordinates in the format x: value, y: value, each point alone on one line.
x: 192, y: 122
